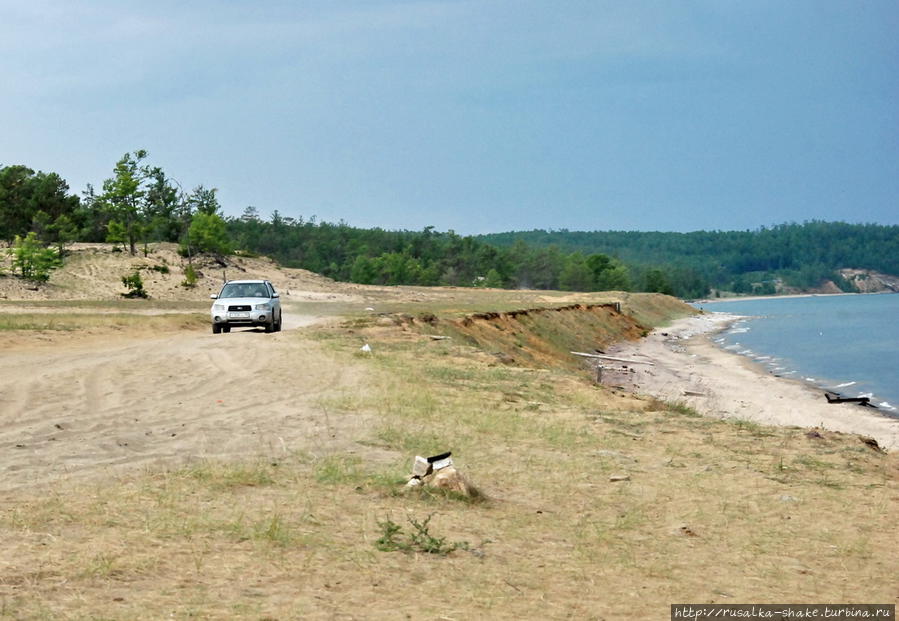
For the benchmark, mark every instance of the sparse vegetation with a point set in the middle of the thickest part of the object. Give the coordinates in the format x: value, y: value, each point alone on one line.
x: 220, y: 476
x: 293, y: 526
x: 165, y: 537
x: 419, y: 539
x: 115, y: 320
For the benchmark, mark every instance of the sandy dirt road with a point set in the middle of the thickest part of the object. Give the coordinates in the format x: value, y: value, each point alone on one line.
x: 87, y: 407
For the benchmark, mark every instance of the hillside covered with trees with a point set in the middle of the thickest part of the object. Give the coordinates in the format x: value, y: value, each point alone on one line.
x: 801, y: 255
x: 140, y: 204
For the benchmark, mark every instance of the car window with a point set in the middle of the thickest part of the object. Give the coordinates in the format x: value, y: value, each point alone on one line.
x: 245, y: 290
x: 230, y: 291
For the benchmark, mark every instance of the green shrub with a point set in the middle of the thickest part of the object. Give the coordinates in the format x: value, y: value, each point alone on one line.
x: 32, y: 259
x: 135, y: 285
x: 190, y: 277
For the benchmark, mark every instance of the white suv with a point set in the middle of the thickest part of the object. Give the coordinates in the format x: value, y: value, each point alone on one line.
x: 246, y: 303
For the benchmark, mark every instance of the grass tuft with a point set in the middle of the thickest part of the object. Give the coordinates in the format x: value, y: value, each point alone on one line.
x: 339, y: 470
x: 223, y: 476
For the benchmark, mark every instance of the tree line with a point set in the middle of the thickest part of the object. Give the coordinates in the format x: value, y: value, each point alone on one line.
x: 426, y: 257
x: 800, y: 255
x: 139, y: 204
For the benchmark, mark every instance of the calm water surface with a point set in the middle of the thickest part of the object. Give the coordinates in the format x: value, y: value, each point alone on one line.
x: 848, y: 344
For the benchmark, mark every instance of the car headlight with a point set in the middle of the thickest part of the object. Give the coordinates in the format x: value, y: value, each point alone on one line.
x: 265, y: 306
x: 218, y: 307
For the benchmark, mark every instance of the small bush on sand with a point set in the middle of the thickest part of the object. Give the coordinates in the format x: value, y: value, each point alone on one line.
x: 190, y: 277
x: 135, y: 285
x: 33, y: 261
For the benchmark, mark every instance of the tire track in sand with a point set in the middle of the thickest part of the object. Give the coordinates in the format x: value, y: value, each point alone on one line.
x: 85, y: 410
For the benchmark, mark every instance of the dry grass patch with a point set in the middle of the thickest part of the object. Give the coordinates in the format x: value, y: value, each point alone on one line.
x: 81, y: 321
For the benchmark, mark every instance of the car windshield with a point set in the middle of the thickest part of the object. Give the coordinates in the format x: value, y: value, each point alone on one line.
x: 244, y: 290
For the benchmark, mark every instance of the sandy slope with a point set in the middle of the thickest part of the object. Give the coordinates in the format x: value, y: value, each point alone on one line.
x: 689, y: 368
x: 85, y: 405
x: 94, y: 272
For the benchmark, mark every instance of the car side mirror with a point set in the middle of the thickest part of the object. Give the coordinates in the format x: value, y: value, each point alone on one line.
x: 276, y: 295
x: 213, y: 297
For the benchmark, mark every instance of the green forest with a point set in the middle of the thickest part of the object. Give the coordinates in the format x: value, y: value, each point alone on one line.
x: 801, y: 255
x: 139, y: 204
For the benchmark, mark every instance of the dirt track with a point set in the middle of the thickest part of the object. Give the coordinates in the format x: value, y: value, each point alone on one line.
x: 82, y: 408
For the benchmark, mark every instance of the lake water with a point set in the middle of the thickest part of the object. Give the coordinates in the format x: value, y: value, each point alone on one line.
x: 848, y: 344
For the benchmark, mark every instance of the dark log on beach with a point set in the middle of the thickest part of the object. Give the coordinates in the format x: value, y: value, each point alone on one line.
x: 836, y: 398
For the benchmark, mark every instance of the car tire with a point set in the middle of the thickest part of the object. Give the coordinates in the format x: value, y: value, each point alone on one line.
x: 270, y: 327
x: 216, y: 328
x: 226, y: 329
x: 278, y: 325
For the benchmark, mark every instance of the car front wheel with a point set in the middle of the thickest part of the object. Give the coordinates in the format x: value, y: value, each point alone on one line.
x: 216, y: 328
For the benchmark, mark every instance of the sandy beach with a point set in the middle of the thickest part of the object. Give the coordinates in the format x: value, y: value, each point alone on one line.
x: 687, y: 367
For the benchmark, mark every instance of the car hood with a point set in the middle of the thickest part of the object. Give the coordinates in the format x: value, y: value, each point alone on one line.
x: 241, y: 301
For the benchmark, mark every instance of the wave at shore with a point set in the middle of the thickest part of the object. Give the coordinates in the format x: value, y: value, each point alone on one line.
x: 778, y: 367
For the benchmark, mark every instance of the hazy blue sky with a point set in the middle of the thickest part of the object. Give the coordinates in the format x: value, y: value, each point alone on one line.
x: 479, y: 116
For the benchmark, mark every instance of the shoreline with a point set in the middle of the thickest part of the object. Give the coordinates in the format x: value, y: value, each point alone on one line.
x: 688, y: 367
x: 752, y: 298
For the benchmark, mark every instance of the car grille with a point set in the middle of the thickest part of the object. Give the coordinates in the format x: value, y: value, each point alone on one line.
x: 239, y: 307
